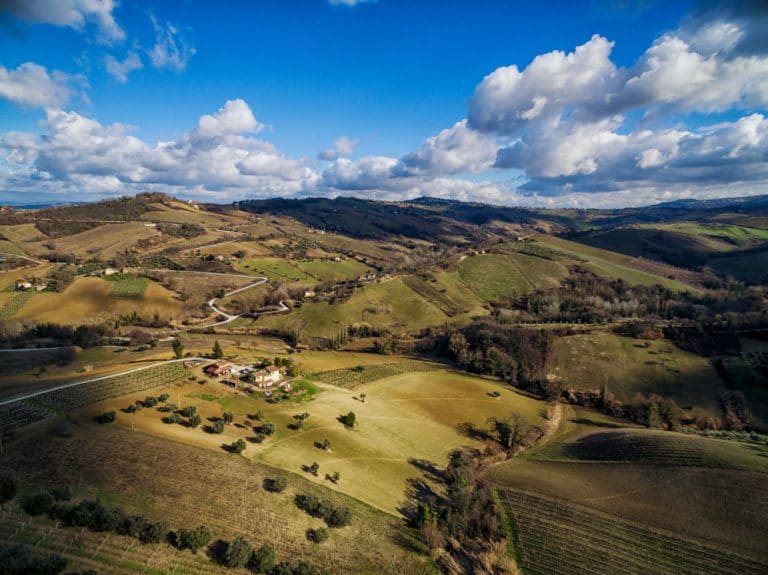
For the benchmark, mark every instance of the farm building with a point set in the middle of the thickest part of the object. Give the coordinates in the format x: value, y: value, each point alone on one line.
x: 218, y: 369
x: 266, y: 377
x: 23, y: 286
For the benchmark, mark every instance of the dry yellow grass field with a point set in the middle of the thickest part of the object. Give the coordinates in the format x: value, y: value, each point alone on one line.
x: 405, y: 422
x: 89, y: 299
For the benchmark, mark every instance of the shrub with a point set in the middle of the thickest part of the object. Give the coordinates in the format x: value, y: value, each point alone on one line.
x: 37, y: 503
x: 263, y: 559
x: 163, y: 397
x: 217, y: 427
x: 173, y: 418
x: 237, y: 446
x: 150, y: 401
x: 188, y: 411
x: 276, y: 485
x: 7, y: 489
x: 62, y: 493
x: 267, y: 428
x: 21, y: 559
x: 193, y: 539
x: 107, y: 417
x: 318, y: 535
x: 228, y: 417
x: 316, y: 507
x: 238, y: 553
x: 153, y: 532
x: 195, y: 421
x: 348, y: 420
x: 338, y: 517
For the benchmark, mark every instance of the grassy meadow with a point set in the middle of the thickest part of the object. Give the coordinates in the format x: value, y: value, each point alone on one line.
x: 405, y: 422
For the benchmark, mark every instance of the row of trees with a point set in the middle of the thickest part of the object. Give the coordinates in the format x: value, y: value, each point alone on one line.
x: 94, y: 516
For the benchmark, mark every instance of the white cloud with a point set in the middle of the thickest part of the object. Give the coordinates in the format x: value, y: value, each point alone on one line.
x: 171, y: 49
x: 120, y: 70
x: 342, y: 147
x: 507, y: 100
x: 31, y: 85
x: 70, y: 13
x: 454, y: 150
x: 235, y: 117
x: 217, y: 159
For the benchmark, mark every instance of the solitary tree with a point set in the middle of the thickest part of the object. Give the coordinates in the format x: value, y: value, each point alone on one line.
x: 178, y: 348
x: 349, y: 419
x: 218, y: 353
x: 510, y: 432
x: 228, y: 417
x: 195, y: 421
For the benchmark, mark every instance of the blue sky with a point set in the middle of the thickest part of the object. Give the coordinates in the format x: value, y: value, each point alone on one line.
x: 389, y: 77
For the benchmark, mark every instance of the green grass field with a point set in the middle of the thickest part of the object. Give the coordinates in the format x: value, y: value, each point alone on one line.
x: 493, y: 277
x: 353, y: 377
x: 627, y: 367
x: 276, y: 269
x: 615, y: 265
x: 329, y: 270
x: 405, y: 419
x: 128, y: 286
x: 389, y: 304
x: 732, y: 233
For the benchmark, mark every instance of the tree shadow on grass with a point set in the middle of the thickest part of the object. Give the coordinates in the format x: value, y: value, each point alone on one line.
x: 216, y: 551
x: 587, y: 421
x: 428, y: 468
x: 470, y: 430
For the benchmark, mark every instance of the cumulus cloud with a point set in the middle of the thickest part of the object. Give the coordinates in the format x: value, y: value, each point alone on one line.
x: 570, y: 119
x: 219, y: 158
x: 170, y: 50
x: 570, y: 128
x: 119, y: 70
x: 342, y: 147
x: 454, y: 150
x: 70, y: 13
x: 32, y: 85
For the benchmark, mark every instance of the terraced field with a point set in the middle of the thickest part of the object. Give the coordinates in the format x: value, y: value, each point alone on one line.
x: 352, y: 377
x: 557, y: 537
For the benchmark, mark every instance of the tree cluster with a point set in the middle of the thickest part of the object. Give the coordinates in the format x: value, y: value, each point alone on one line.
x: 322, y: 508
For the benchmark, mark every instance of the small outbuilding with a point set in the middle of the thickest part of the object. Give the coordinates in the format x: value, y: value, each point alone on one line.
x: 218, y: 369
